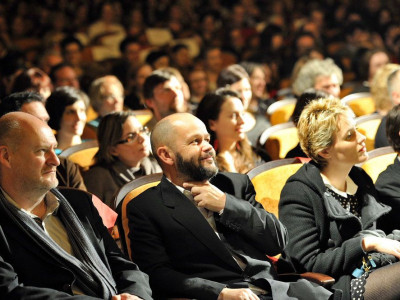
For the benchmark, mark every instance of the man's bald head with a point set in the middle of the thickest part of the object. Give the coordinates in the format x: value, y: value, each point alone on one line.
x: 167, y: 129
x: 14, y: 126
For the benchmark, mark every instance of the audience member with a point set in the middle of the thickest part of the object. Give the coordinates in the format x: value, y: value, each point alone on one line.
x: 237, y: 79
x: 68, y: 173
x: 391, y: 96
x: 306, y: 97
x: 106, y: 33
x: 388, y: 183
x: 213, y: 65
x: 158, y: 59
x: 71, y: 49
x: 163, y: 95
x: 322, y: 75
x: 331, y: 211
x: 198, y: 86
x: 106, y: 95
x: 67, y: 109
x: 371, y: 60
x: 60, y: 236
x: 33, y: 79
x: 223, y: 114
x: 135, y: 98
x: 64, y: 74
x: 123, y: 155
x: 189, y: 232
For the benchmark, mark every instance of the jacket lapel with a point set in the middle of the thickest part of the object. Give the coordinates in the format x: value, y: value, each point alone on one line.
x: 185, y: 213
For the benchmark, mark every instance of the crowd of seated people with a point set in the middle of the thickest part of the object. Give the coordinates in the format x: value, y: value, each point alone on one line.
x: 89, y: 69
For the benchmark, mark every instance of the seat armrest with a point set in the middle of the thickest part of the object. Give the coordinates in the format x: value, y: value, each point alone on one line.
x: 323, y: 280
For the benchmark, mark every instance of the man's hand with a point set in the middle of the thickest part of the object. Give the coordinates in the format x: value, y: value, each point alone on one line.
x: 237, y: 294
x: 206, y: 195
x: 125, y: 296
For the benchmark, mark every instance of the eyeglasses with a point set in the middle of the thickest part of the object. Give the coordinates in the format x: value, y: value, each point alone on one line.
x: 133, y: 135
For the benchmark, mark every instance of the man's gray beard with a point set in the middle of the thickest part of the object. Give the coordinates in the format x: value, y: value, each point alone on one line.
x: 195, y: 172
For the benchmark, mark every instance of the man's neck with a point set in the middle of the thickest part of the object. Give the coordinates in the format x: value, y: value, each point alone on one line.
x: 29, y: 202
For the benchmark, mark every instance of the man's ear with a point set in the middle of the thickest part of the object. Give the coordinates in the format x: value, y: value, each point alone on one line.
x: 166, y: 155
x: 326, y: 153
x: 5, y: 156
x: 149, y: 103
x: 211, y: 124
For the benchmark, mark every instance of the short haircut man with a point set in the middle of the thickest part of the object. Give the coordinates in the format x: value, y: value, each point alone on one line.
x: 64, y: 74
x: 201, y: 234
x: 56, y: 243
x: 163, y: 94
x: 319, y: 74
x: 29, y: 102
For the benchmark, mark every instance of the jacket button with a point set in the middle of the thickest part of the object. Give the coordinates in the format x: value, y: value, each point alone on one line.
x: 67, y: 288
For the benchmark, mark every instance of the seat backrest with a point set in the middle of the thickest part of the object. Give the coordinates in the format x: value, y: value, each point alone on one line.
x: 368, y: 126
x: 269, y: 178
x: 361, y: 103
x: 143, y: 115
x: 378, y: 160
x: 82, y: 154
x: 126, y: 194
x: 281, y: 111
x: 279, y: 139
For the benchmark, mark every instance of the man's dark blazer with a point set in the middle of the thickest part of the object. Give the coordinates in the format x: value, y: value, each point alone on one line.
x: 28, y: 272
x: 175, y: 245
x: 388, y: 187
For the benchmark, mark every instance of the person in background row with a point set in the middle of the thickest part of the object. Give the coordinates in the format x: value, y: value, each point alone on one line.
x: 331, y: 210
x: 392, y: 93
x: 106, y: 95
x: 223, y: 114
x: 123, y: 155
x: 68, y: 173
x: 56, y: 245
x: 319, y: 74
x: 64, y: 74
x: 163, y: 95
x: 388, y: 183
x: 67, y: 109
x: 33, y: 79
x: 237, y: 79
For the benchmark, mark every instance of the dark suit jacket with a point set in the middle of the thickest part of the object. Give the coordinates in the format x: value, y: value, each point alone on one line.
x: 175, y: 245
x: 388, y: 187
x: 27, y: 272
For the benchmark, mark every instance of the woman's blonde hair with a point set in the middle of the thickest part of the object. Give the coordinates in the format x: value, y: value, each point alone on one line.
x: 379, y: 87
x: 317, y: 126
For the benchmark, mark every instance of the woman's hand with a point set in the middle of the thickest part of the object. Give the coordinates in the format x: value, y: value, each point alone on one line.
x: 382, y: 245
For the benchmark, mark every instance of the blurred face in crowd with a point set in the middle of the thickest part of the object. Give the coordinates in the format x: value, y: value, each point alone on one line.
x: 134, y: 144
x: 73, y: 54
x: 66, y: 76
x: 74, y: 118
x: 243, y: 87
x: 258, y: 83
x: 198, y: 82
x: 329, y: 84
x: 376, y: 61
x: 112, y: 98
x: 229, y: 127
x: 167, y: 99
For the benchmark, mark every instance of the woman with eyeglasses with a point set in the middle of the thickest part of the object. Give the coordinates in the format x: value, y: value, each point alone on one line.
x: 123, y: 155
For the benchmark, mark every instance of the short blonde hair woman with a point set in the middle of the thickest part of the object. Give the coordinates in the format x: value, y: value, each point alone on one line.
x: 331, y: 211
